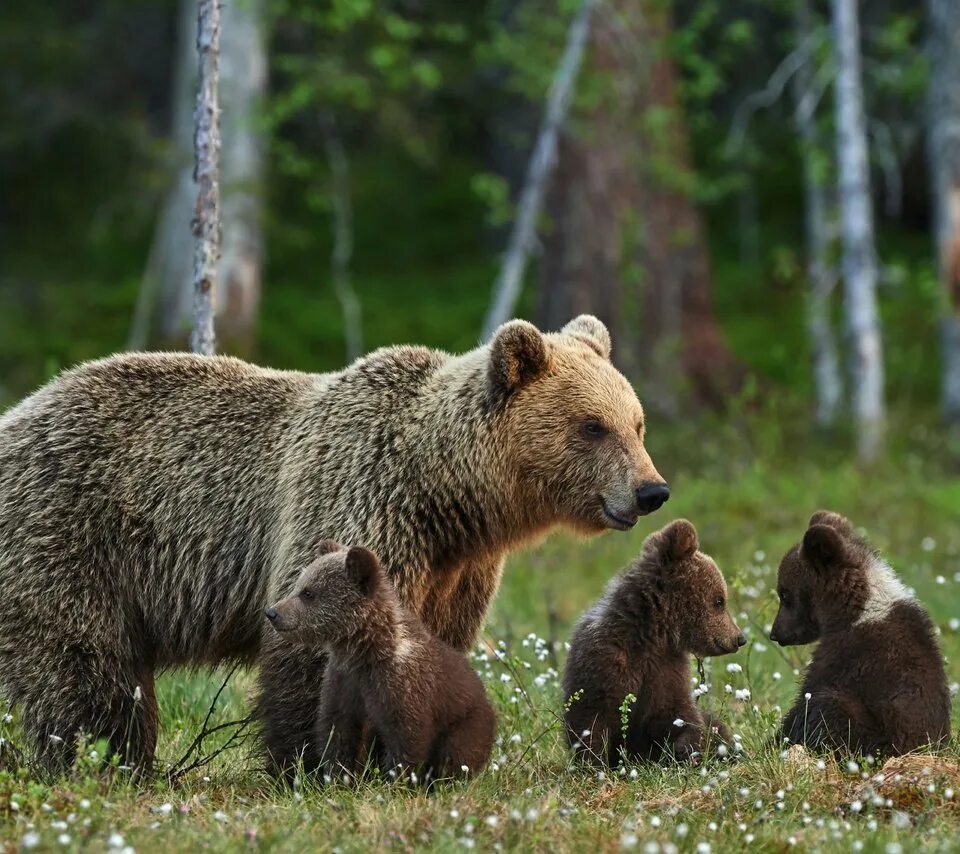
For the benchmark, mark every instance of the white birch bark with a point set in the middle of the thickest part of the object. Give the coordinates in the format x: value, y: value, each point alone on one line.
x: 506, y: 289
x: 206, y: 143
x: 944, y: 157
x: 167, y: 286
x: 859, y: 263
x: 826, y: 366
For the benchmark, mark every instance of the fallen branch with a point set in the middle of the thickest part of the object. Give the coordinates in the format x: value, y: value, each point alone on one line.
x: 180, y: 767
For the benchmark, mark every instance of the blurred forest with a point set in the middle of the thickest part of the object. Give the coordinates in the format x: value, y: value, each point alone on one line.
x: 707, y: 201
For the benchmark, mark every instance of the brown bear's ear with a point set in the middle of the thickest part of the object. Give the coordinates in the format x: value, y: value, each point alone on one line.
x: 325, y: 547
x: 363, y: 568
x: 591, y: 332
x: 676, y: 541
x: 831, y: 520
x: 518, y: 355
x: 823, y: 547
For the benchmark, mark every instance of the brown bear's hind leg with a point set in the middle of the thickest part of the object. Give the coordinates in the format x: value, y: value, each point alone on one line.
x: 99, y: 698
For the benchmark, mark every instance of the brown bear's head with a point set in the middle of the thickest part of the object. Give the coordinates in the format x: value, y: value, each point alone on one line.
x: 576, y: 426
x: 333, y: 598
x: 694, y: 589
x: 829, y: 580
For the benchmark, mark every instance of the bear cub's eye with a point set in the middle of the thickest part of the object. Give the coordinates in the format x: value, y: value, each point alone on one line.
x: 784, y: 597
x: 593, y: 429
x: 306, y: 593
x: 719, y: 603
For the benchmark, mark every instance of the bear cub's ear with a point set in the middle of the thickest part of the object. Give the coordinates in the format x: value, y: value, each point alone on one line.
x: 591, y: 332
x: 831, y: 520
x: 518, y: 355
x: 823, y: 547
x: 676, y: 541
x: 363, y: 568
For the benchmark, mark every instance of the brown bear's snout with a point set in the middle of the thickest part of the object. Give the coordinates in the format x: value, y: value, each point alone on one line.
x: 741, y: 640
x: 652, y: 496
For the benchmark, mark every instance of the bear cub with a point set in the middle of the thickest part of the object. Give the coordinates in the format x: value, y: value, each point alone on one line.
x: 389, y: 683
x: 669, y: 604
x: 876, y: 683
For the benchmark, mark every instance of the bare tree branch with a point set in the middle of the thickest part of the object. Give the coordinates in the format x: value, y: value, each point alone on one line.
x: 342, y: 238
x: 206, y: 143
x: 506, y: 290
x: 768, y: 96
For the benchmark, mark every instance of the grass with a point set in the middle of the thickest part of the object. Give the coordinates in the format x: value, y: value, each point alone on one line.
x: 750, y: 490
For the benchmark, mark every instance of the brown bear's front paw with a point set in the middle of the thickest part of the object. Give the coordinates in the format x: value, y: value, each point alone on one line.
x: 688, y: 745
x: 716, y: 735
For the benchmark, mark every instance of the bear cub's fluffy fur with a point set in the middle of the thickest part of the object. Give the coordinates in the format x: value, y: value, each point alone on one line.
x: 876, y: 683
x: 671, y: 603
x: 390, y: 683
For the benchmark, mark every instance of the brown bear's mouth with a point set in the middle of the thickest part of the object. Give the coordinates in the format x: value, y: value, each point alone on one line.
x: 623, y: 523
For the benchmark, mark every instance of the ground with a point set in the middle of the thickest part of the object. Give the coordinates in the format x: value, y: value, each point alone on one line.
x: 750, y: 488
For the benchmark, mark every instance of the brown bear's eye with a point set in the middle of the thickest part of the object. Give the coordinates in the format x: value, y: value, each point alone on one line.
x: 719, y: 602
x: 784, y: 597
x: 593, y: 429
x: 306, y: 594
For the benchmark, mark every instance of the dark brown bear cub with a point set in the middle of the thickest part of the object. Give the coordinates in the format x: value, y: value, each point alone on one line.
x: 875, y: 684
x: 671, y: 603
x: 417, y: 699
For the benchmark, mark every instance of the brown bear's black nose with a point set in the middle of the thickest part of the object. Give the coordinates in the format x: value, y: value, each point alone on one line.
x: 652, y: 496
x: 270, y: 614
x: 741, y: 640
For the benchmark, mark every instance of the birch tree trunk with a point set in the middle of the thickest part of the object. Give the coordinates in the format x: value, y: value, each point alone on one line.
x: 206, y: 143
x: 944, y: 157
x: 167, y: 286
x: 506, y: 289
x: 826, y: 366
x: 859, y: 253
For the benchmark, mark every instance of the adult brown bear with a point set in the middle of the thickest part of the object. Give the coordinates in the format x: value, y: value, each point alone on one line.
x: 151, y: 505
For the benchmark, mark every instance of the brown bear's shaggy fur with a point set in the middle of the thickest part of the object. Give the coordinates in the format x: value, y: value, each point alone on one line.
x: 151, y: 505
x: 424, y: 705
x: 671, y: 603
x: 876, y: 683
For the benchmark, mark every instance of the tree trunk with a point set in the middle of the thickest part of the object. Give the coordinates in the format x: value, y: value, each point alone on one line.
x: 167, y: 286
x: 826, y: 365
x: 206, y: 143
x: 944, y: 156
x: 627, y: 240
x: 859, y: 252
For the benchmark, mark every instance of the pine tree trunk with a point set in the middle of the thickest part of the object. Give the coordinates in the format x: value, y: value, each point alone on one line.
x: 944, y: 158
x: 859, y: 253
x: 826, y: 365
x: 206, y: 143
